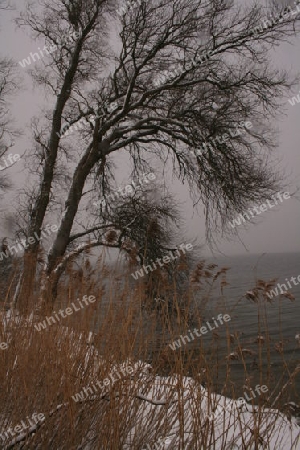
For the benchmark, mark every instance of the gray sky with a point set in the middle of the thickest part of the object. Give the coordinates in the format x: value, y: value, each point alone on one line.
x: 276, y: 230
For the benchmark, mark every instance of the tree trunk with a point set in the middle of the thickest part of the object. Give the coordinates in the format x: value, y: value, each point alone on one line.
x: 42, y: 201
x: 24, y: 294
x: 71, y: 206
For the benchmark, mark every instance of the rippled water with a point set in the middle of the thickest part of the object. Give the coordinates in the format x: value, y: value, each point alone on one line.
x: 282, y: 315
x: 281, y: 326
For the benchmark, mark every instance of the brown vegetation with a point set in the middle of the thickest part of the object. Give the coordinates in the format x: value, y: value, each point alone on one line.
x: 40, y: 371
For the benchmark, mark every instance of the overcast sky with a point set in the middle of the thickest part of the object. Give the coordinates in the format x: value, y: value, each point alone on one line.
x: 276, y: 230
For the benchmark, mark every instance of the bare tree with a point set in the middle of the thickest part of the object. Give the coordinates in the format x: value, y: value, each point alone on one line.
x: 139, y: 226
x: 5, y: 72
x: 187, y: 72
x: 8, y: 84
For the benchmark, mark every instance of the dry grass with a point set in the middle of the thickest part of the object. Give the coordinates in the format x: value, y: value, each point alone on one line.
x: 40, y: 371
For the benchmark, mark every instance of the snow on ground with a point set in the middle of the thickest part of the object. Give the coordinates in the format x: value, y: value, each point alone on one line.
x: 232, y: 427
x: 158, y: 400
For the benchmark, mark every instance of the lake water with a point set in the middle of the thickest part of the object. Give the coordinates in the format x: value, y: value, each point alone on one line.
x: 278, y: 322
x: 282, y: 316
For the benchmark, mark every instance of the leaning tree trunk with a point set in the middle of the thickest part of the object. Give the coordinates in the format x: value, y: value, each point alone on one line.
x: 42, y: 200
x: 24, y: 293
x: 54, y: 266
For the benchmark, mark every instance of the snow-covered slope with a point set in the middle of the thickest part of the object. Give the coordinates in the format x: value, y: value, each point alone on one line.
x: 231, y: 428
x: 177, y: 412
